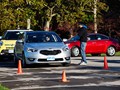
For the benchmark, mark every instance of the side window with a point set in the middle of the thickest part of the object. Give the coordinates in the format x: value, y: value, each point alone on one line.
x: 92, y: 37
x: 100, y: 37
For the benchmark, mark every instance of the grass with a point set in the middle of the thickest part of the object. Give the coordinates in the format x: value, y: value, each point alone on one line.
x: 3, y: 88
x: 117, y: 54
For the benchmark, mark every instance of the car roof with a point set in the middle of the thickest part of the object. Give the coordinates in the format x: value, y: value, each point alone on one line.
x: 96, y: 34
x: 20, y: 30
x: 41, y: 32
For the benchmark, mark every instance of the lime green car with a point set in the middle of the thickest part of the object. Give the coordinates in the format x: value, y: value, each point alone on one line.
x: 8, y: 41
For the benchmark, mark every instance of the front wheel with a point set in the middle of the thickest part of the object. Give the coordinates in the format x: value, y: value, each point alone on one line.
x: 111, y: 51
x: 75, y: 51
x: 15, y: 60
x: 23, y: 61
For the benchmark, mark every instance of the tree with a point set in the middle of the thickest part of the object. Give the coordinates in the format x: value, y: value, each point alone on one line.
x: 45, y: 13
x: 15, y: 13
x: 111, y: 20
x: 73, y: 11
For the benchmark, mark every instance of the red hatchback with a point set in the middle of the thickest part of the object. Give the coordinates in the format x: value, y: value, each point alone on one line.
x: 96, y: 45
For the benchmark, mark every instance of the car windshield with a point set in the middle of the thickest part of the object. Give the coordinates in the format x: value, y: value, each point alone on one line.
x: 13, y: 35
x: 42, y: 37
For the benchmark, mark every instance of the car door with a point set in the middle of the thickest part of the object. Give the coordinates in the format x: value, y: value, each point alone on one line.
x: 101, y: 43
x: 91, y: 44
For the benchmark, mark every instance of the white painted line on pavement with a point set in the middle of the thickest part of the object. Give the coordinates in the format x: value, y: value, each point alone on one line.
x: 41, y: 78
x: 117, y: 83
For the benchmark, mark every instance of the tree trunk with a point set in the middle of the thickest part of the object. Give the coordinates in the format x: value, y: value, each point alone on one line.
x: 95, y: 16
x: 47, y: 26
x: 28, y: 24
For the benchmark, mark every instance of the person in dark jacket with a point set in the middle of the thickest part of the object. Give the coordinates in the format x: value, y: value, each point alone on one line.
x: 82, y: 33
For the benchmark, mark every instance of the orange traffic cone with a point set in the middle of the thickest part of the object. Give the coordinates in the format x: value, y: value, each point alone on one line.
x: 105, y: 63
x: 64, y: 79
x: 19, y: 67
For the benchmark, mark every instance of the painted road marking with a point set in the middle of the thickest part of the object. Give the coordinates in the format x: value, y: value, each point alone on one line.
x: 115, y: 83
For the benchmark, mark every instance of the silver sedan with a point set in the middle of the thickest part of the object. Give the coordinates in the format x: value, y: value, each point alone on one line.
x: 38, y: 47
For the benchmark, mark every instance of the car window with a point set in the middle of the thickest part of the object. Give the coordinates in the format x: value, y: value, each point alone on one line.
x: 12, y: 35
x: 101, y: 37
x: 92, y: 37
x: 40, y: 37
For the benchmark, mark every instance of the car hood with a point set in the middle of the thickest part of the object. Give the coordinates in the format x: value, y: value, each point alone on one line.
x: 45, y: 45
x: 9, y: 43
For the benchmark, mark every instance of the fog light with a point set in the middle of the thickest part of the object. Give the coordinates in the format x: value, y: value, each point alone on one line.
x: 31, y: 59
x: 67, y: 58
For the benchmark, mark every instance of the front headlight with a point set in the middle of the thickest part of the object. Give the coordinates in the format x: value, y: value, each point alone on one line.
x: 1, y: 43
x: 32, y: 50
x: 65, y: 48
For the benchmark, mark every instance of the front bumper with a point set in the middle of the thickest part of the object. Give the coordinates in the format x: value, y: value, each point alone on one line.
x: 6, y: 52
x: 35, y: 58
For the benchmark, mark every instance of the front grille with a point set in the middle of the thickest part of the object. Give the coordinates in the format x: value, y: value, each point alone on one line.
x: 50, y: 52
x: 9, y: 47
x: 9, y: 44
x: 57, y: 59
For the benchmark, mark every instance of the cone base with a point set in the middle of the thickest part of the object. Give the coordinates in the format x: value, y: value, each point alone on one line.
x: 106, y: 68
x: 64, y: 81
x: 20, y: 73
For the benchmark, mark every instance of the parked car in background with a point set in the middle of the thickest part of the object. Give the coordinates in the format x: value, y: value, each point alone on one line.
x: 37, y: 47
x: 8, y: 41
x: 96, y: 45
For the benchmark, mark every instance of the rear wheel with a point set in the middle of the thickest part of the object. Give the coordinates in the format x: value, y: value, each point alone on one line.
x: 111, y: 51
x: 75, y: 51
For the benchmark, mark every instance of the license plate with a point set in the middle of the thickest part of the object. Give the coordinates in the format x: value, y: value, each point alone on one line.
x: 50, y: 58
x: 10, y: 51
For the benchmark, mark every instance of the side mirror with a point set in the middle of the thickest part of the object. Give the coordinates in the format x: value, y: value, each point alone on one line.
x: 64, y: 40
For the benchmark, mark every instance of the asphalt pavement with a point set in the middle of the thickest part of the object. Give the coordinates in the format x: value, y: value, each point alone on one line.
x: 94, y: 76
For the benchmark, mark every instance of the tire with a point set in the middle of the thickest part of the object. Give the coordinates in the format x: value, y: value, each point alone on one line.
x: 75, y: 51
x: 15, y: 60
x: 23, y: 61
x: 111, y: 51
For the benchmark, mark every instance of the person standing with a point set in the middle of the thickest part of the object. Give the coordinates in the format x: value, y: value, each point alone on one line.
x: 82, y: 33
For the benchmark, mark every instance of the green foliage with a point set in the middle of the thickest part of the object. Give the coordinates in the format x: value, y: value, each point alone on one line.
x: 3, y: 88
x: 15, y: 13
